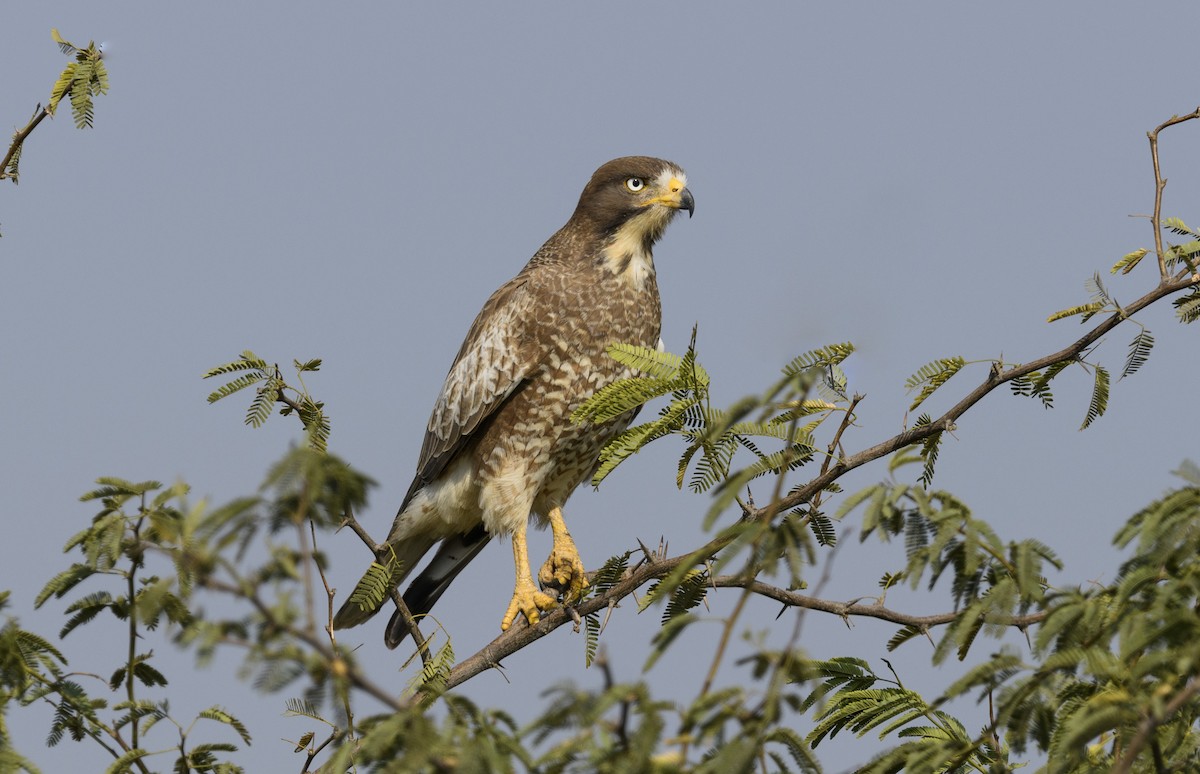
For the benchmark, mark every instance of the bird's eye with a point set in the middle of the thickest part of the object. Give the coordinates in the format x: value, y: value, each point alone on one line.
x: 635, y: 184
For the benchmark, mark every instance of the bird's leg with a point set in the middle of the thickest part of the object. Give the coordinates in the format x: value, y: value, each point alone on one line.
x: 527, y: 599
x: 563, y: 569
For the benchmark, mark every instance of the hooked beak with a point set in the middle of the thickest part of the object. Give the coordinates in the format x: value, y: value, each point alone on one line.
x: 677, y: 197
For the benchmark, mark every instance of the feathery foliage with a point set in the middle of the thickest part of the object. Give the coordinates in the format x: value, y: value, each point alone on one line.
x: 932, y: 376
x: 1139, y: 352
x: 273, y: 389
x: 609, y: 574
x: 80, y: 80
x: 1129, y: 261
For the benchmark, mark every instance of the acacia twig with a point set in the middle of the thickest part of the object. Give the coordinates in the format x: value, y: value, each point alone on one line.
x: 18, y: 140
x: 1160, y: 183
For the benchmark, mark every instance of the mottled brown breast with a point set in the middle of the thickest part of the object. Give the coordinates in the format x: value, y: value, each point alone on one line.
x: 587, y: 307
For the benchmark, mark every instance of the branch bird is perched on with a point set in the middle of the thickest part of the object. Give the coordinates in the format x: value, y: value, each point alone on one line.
x: 500, y: 446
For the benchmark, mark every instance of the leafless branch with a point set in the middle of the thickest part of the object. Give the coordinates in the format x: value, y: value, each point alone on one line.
x: 1160, y: 183
x: 856, y: 609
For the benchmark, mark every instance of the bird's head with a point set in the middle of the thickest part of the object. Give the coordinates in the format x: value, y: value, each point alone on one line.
x: 633, y: 198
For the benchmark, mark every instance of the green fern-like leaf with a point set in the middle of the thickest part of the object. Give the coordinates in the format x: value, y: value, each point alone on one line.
x: 789, y: 458
x: 375, y: 586
x: 650, y: 363
x: 247, y: 362
x: 1099, y: 402
x: 238, y: 384
x: 61, y: 87
x: 591, y: 638
x: 929, y: 454
x: 1177, y: 226
x: 822, y: 529
x: 831, y: 354
x: 1099, y: 293
x: 1037, y: 383
x: 619, y: 398
x: 316, y: 423
x: 63, y: 582
x: 713, y: 467
x: 687, y: 595
x: 64, y: 45
x: 82, y: 109
x: 626, y: 444
x: 432, y: 679
x: 124, y: 762
x: 801, y: 754
x: 1087, y: 310
x: 111, y: 486
x: 12, y: 171
x: 611, y: 572
x: 32, y: 650
x: 1139, y: 352
x: 932, y: 375
x: 1131, y: 260
x: 263, y: 403
x: 904, y: 635
x: 85, y: 610
x: 221, y: 716
x: 1187, y: 308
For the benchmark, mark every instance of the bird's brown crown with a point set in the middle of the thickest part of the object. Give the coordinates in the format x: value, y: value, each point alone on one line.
x: 647, y: 190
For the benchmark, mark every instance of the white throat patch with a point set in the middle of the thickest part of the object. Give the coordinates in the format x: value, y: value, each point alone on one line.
x: 626, y: 257
x: 626, y: 254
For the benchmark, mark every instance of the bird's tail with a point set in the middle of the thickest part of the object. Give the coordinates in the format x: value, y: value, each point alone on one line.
x: 372, y: 591
x: 452, y: 557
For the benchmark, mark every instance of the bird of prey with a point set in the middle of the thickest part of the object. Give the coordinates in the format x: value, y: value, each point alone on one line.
x: 500, y: 446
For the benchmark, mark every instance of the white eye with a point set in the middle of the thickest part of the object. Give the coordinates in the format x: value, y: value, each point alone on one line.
x: 635, y: 184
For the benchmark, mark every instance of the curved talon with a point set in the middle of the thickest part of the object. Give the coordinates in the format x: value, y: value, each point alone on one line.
x: 527, y: 601
x: 563, y: 570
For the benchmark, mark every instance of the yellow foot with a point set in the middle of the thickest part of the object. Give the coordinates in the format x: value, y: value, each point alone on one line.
x: 527, y: 601
x: 563, y: 570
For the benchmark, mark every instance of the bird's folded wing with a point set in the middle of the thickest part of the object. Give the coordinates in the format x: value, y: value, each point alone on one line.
x: 502, y: 349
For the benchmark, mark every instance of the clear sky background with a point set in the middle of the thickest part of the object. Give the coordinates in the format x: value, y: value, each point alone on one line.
x: 925, y: 180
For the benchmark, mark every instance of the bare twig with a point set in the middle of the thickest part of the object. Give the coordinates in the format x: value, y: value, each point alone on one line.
x: 856, y: 609
x: 314, y: 752
x: 1160, y: 183
x: 348, y: 520
x: 338, y: 665
x: 411, y: 622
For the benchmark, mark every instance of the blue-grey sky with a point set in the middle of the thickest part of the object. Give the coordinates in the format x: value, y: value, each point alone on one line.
x: 352, y: 182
